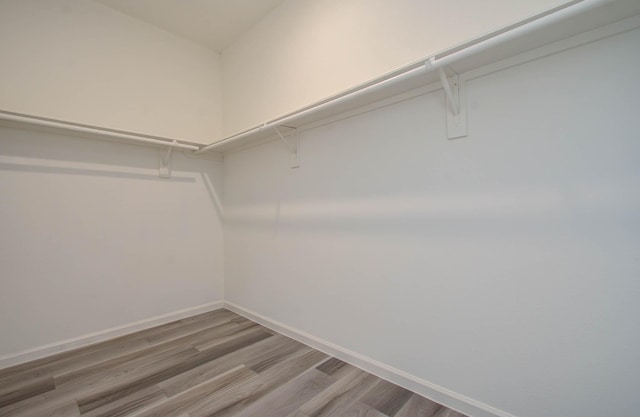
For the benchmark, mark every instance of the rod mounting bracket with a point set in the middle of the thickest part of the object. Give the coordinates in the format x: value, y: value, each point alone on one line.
x: 164, y: 166
x: 455, y: 88
x: 292, y: 143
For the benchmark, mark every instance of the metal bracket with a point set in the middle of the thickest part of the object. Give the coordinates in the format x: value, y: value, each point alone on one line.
x: 292, y: 145
x: 164, y: 168
x: 456, y: 92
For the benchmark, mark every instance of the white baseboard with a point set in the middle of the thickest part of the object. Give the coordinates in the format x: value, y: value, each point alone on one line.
x: 100, y: 336
x: 425, y: 388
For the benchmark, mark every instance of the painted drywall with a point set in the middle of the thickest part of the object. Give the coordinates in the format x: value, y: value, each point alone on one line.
x: 83, y: 62
x: 307, y: 50
x: 91, y: 238
x: 503, y: 266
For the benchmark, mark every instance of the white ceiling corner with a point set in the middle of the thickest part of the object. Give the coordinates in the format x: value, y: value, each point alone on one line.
x: 214, y: 23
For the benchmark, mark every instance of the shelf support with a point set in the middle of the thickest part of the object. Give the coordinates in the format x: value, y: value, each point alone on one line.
x: 164, y: 169
x: 455, y: 89
x: 292, y: 144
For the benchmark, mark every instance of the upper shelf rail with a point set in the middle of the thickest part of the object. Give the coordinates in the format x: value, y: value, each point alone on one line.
x: 523, y: 27
x: 94, y: 131
x: 413, y: 74
x: 282, y: 121
x: 439, y: 60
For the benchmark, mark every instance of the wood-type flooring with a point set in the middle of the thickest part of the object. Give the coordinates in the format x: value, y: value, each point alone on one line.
x: 214, y: 364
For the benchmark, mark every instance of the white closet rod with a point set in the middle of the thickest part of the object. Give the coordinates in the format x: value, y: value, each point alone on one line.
x: 282, y: 121
x: 521, y: 28
x: 437, y: 61
x: 69, y: 127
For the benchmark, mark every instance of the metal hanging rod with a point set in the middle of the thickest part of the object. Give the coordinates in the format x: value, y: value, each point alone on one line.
x: 433, y: 63
x: 284, y: 120
x: 70, y: 127
x: 516, y: 30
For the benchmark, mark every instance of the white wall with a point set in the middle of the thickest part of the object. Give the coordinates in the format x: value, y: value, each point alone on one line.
x: 91, y: 238
x: 80, y: 61
x: 306, y: 50
x: 503, y: 266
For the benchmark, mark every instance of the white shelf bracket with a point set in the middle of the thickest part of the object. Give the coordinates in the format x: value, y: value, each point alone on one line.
x: 292, y: 143
x: 455, y: 89
x: 164, y: 168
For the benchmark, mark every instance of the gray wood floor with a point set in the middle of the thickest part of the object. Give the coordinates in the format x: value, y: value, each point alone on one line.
x: 214, y: 364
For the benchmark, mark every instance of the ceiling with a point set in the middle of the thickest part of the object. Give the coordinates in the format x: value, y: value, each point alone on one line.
x: 214, y: 23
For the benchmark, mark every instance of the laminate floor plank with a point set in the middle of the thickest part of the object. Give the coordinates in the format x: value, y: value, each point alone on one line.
x: 185, y: 400
x: 79, y: 361
x: 297, y: 413
x: 331, y: 366
x: 37, y: 405
x: 445, y: 412
x: 340, y: 370
x: 50, y: 404
x: 418, y: 406
x: 123, y: 364
x: 343, y: 402
x: 127, y: 371
x: 340, y: 395
x: 10, y: 394
x: 132, y: 359
x: 360, y: 409
x: 267, y: 382
x: 168, y: 369
x: 125, y: 406
x: 288, y: 397
x: 121, y: 380
x: 210, y: 343
x: 66, y: 410
x: 208, y: 316
x: 233, y: 400
x: 100, y: 352
x: 387, y: 398
x: 114, y: 344
x: 268, y: 359
x: 216, y: 364
x: 119, y: 343
x: 196, y: 327
x: 261, y: 351
x: 42, y: 365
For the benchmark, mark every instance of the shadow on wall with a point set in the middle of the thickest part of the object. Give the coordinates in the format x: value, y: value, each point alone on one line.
x: 29, y: 151
x: 213, y: 194
x: 48, y: 153
x: 31, y: 166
